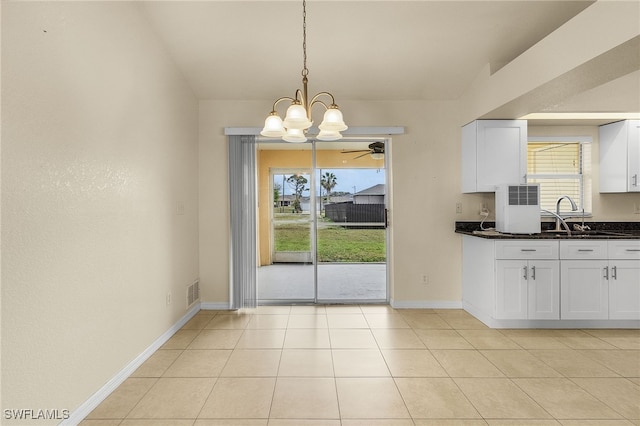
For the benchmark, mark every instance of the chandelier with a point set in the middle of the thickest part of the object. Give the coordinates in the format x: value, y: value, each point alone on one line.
x: 298, y: 118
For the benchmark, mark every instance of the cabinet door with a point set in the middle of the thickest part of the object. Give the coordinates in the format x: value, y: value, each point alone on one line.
x: 493, y: 152
x: 544, y: 289
x: 620, y: 156
x: 584, y: 292
x: 501, y: 153
x: 511, y: 289
x: 633, y: 150
x: 624, y: 289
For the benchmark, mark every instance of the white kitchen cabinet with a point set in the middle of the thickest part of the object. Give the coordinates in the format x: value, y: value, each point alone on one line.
x: 624, y: 279
x: 527, y: 289
x: 600, y: 279
x: 493, y: 152
x: 584, y: 290
x: 527, y: 280
x: 620, y: 156
x: 551, y: 283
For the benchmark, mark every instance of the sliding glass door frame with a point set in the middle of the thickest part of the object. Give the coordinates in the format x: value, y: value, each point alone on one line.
x: 314, y: 227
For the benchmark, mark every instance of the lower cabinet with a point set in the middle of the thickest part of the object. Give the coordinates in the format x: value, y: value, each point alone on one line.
x: 600, y: 279
x: 527, y: 289
x: 568, y: 279
x: 527, y: 280
x: 624, y: 289
x: 585, y: 289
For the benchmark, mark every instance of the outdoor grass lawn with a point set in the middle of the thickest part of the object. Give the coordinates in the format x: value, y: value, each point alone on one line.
x: 335, y: 243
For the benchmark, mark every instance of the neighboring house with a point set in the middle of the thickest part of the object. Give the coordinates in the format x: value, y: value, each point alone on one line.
x: 367, y: 208
x: 373, y: 195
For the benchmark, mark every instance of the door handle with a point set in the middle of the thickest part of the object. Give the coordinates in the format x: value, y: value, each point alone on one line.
x: 533, y: 273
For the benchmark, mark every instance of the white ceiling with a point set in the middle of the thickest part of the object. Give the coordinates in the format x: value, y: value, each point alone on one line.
x: 360, y: 50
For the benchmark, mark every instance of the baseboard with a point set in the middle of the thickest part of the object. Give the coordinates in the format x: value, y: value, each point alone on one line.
x: 215, y: 306
x: 426, y: 304
x: 90, y: 404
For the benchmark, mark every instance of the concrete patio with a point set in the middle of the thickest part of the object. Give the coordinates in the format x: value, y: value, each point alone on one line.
x: 339, y: 282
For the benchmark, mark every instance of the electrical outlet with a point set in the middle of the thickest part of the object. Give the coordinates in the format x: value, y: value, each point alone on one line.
x: 425, y: 279
x: 458, y: 208
x: 168, y: 298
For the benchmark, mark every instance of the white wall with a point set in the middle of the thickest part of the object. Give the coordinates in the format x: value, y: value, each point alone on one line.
x: 99, y: 148
x: 425, y: 189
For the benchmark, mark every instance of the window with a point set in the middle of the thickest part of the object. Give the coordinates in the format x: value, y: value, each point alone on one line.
x: 562, y: 167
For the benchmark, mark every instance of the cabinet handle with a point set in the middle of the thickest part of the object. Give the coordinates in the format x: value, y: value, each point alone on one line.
x: 606, y: 272
x: 614, y: 272
x: 585, y: 249
x: 533, y: 272
x: 632, y: 249
x: 635, y: 180
x: 527, y: 249
x: 525, y: 273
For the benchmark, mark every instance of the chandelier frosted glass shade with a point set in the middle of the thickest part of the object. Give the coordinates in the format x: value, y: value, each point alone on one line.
x: 273, y: 127
x: 296, y: 117
x: 329, y: 135
x: 294, y: 135
x: 377, y: 156
x: 333, y: 120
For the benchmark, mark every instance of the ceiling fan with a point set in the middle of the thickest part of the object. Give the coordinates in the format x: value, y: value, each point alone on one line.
x: 376, y: 150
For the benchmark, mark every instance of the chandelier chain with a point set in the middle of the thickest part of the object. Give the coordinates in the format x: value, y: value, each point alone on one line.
x: 305, y: 70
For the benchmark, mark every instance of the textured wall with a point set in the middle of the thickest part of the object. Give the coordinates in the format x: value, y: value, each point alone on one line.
x: 99, y: 197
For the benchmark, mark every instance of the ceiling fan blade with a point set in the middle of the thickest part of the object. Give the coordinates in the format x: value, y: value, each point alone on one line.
x: 359, y: 150
x: 366, y: 153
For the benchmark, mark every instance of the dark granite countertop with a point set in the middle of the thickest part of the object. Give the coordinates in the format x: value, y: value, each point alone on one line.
x: 599, y: 231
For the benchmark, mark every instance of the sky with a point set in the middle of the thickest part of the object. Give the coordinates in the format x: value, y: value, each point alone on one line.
x: 346, y: 179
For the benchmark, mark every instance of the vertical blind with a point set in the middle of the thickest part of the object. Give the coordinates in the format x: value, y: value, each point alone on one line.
x: 558, y: 168
x: 242, y: 194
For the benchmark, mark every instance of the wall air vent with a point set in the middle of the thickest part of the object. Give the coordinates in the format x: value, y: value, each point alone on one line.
x: 193, y: 293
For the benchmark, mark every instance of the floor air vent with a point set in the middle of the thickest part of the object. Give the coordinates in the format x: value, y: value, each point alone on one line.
x: 193, y: 293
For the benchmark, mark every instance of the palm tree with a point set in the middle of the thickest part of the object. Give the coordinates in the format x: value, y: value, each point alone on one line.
x: 328, y: 181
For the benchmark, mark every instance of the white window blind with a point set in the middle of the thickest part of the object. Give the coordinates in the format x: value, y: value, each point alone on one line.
x: 558, y: 166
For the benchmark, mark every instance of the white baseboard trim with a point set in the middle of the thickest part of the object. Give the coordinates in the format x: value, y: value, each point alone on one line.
x: 426, y: 304
x: 215, y: 306
x: 90, y: 404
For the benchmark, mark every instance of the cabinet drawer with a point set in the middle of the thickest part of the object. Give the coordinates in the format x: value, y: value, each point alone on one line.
x: 624, y: 249
x: 527, y: 249
x: 582, y: 249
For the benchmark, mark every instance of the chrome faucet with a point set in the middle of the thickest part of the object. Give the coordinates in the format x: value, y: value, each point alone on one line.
x: 559, y: 218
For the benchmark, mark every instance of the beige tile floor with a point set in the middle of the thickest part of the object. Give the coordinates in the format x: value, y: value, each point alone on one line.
x: 373, y: 365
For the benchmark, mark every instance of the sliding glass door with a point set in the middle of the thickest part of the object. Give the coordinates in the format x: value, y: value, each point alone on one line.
x: 321, y: 222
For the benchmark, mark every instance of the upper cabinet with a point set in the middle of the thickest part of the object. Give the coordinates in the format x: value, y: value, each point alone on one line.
x: 620, y: 156
x: 493, y: 152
